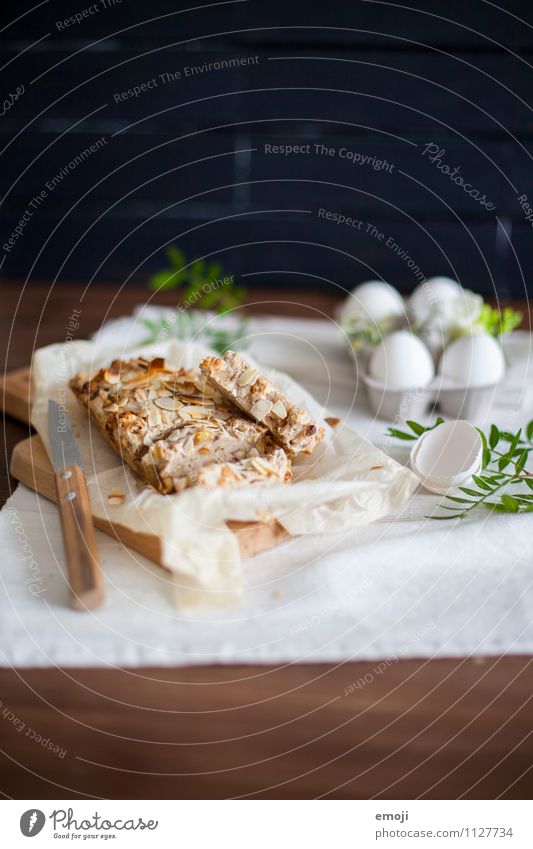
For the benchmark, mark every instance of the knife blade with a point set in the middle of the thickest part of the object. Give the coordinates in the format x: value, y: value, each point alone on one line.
x: 79, y: 540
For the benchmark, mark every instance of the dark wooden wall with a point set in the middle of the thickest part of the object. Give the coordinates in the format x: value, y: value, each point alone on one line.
x: 185, y: 161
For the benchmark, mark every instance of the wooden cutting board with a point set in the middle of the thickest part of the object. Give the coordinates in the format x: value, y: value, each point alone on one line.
x: 15, y: 394
x: 31, y: 466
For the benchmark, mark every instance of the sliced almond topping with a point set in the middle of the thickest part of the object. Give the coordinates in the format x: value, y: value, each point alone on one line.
x: 183, y: 387
x: 196, y: 412
x: 279, y: 410
x: 163, y: 393
x: 111, y: 408
x: 154, y: 416
x: 248, y: 375
x: 211, y: 392
x: 184, y: 414
x: 182, y: 377
x: 228, y: 472
x: 197, y: 400
x: 202, y: 436
x: 175, y: 436
x: 134, y: 379
x: 171, y: 404
x: 262, y: 467
x: 111, y: 376
x: 168, y: 484
x: 261, y: 409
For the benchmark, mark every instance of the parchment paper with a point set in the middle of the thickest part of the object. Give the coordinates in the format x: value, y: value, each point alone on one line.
x: 347, y: 482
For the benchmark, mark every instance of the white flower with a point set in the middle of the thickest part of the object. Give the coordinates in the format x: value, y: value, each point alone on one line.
x: 460, y: 315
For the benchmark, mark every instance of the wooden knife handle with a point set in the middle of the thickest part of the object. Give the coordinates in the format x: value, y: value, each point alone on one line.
x: 85, y: 576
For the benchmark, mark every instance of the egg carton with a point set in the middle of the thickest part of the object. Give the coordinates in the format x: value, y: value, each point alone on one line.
x: 453, y: 399
x: 458, y: 402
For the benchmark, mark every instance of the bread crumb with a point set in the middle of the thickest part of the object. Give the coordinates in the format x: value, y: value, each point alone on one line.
x: 115, y: 497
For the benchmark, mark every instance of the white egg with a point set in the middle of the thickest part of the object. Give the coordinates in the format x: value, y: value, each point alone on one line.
x: 427, y: 298
x: 473, y: 360
x: 402, y: 361
x: 373, y: 301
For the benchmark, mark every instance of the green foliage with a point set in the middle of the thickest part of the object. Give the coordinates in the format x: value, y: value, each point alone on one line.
x: 495, y: 322
x: 192, y: 325
x: 505, y: 457
x: 362, y: 332
x: 202, y: 286
x: 417, y: 430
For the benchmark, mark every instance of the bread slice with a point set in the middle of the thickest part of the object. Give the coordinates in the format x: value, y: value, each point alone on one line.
x: 124, y: 400
x: 272, y: 468
x: 167, y: 425
x: 173, y: 463
x: 236, y: 380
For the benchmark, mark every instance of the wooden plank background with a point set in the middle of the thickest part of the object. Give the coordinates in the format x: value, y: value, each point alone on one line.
x: 437, y: 730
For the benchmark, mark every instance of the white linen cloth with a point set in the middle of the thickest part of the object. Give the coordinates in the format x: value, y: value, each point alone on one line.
x: 402, y: 586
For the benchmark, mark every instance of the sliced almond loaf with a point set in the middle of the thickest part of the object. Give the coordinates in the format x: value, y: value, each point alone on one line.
x: 235, y: 379
x: 167, y: 425
x: 173, y: 463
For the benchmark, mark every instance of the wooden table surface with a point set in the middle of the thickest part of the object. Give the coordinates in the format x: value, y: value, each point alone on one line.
x: 431, y: 729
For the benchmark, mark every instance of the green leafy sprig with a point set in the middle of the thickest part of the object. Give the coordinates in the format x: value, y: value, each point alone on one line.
x: 203, y: 286
x: 197, y: 280
x: 498, y: 322
x: 191, y: 325
x: 504, y: 461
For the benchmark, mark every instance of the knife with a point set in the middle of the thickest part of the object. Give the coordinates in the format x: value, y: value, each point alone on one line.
x: 85, y: 575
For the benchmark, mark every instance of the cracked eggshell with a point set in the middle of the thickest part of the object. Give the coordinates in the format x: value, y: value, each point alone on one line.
x: 473, y: 360
x: 447, y: 456
x: 430, y: 295
x: 373, y: 301
x: 402, y: 361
